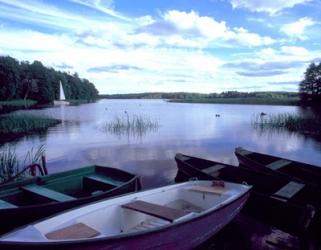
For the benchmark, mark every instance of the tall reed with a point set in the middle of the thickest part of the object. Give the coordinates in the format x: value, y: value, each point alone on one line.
x: 308, y: 123
x: 11, y: 165
x: 135, y: 125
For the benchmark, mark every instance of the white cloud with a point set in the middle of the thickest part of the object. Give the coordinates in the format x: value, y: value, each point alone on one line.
x: 189, y: 29
x: 272, y: 7
x: 169, y: 52
x: 297, y: 29
x: 103, y: 6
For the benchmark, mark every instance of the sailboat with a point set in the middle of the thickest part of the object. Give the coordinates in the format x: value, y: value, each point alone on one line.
x: 62, y: 98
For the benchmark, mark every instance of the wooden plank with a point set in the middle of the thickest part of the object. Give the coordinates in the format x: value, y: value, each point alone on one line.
x: 5, y: 205
x: 48, y: 193
x: 289, y: 190
x: 213, y: 169
x: 214, y: 190
x: 278, y: 164
x: 162, y: 212
x: 104, y: 179
x: 75, y: 231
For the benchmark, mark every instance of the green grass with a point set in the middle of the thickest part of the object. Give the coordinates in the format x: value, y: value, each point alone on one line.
x: 307, y: 124
x: 246, y: 100
x: 11, y: 165
x: 14, y: 125
x: 135, y: 125
x: 18, y: 103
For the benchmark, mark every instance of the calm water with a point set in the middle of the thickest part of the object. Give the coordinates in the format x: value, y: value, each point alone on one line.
x: 187, y: 128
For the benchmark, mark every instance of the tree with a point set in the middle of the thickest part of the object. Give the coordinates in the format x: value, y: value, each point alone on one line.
x: 9, y: 78
x: 35, y: 81
x: 310, y: 86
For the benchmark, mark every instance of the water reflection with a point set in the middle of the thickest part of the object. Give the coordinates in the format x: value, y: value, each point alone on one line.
x: 187, y: 128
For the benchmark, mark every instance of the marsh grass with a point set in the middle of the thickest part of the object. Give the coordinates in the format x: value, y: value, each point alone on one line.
x: 23, y: 124
x: 136, y: 125
x: 11, y: 165
x: 307, y: 124
x: 18, y: 103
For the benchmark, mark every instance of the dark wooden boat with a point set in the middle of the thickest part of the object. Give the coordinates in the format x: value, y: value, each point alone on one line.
x: 179, y: 216
x: 279, y: 201
x: 279, y: 166
x: 22, y: 202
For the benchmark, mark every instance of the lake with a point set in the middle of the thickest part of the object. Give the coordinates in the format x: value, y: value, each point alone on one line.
x: 194, y: 129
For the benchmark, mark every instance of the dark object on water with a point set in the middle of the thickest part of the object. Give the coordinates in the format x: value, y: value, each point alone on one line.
x: 278, y: 166
x: 217, y: 115
x: 22, y: 202
x: 179, y: 216
x: 262, y: 114
x: 276, y: 200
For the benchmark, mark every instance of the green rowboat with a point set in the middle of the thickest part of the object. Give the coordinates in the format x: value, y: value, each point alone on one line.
x: 22, y: 202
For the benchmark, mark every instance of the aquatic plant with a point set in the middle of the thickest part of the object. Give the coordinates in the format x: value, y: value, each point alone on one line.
x: 307, y: 124
x: 20, y: 124
x: 135, y: 125
x: 18, y: 103
x: 11, y: 165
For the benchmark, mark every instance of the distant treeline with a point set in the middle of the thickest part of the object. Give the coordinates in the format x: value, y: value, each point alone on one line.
x: 25, y: 80
x: 199, y: 96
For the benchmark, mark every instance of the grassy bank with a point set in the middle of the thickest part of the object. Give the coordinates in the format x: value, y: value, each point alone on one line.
x: 239, y: 100
x: 16, y: 125
x: 307, y: 124
x: 18, y: 103
x: 9, y: 106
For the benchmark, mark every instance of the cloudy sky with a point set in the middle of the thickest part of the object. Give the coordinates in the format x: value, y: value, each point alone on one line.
x: 126, y: 46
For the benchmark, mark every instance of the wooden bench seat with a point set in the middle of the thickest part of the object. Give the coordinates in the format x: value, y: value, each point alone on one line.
x: 103, y: 179
x: 47, y: 193
x: 278, y: 164
x: 214, y: 190
x: 5, y: 205
x: 213, y: 169
x: 75, y: 231
x: 289, y: 190
x: 159, y: 211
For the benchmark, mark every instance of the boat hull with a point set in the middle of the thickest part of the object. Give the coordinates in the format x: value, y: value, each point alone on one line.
x: 293, y: 169
x: 61, y: 103
x: 185, y: 235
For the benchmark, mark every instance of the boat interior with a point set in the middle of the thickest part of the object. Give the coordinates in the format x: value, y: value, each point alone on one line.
x: 70, y: 187
x: 278, y: 187
x: 133, y: 213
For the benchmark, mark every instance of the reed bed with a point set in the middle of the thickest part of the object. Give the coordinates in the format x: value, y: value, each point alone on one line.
x: 307, y: 124
x: 18, y: 103
x: 11, y: 165
x: 134, y: 125
x: 23, y: 124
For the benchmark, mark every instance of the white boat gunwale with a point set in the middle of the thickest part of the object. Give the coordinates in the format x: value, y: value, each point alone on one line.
x: 116, y: 237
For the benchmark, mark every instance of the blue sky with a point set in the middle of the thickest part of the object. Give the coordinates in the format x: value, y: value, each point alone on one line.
x: 127, y: 46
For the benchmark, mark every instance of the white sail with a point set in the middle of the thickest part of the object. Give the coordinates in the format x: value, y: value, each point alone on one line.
x: 61, y: 93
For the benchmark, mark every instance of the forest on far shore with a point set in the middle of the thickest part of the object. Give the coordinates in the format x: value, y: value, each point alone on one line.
x: 25, y: 80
